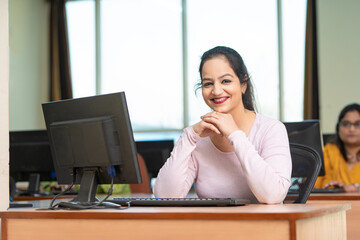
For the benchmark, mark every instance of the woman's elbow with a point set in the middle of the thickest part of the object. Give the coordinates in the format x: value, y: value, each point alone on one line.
x: 275, y: 199
x: 272, y: 196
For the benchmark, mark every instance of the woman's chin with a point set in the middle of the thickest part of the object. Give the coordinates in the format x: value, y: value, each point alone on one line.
x: 219, y: 110
x: 352, y: 142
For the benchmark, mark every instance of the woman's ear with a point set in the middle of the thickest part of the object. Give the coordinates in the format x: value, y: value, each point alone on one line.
x: 244, y: 84
x: 243, y: 87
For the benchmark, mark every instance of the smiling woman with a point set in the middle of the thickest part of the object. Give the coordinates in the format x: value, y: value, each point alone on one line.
x: 225, y: 153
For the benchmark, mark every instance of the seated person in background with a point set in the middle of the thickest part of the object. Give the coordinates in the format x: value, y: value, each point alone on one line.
x: 341, y: 158
x: 233, y: 152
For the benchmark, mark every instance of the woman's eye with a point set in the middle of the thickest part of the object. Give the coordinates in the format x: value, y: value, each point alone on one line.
x: 206, y: 84
x: 226, y: 81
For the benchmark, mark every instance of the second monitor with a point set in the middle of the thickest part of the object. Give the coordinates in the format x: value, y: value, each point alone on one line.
x: 155, y: 154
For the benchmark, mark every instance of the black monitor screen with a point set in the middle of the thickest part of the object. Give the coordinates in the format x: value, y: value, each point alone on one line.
x: 155, y: 154
x: 91, y: 138
x: 308, y: 133
x: 30, y: 158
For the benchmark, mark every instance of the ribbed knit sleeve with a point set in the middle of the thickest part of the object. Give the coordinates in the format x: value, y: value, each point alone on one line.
x: 267, y: 172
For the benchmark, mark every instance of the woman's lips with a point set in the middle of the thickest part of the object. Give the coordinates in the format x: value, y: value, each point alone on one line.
x: 219, y: 100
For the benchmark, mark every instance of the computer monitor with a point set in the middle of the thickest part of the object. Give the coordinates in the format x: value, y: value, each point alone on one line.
x: 307, y: 132
x: 30, y: 159
x: 91, y: 141
x: 155, y: 154
x: 329, y: 138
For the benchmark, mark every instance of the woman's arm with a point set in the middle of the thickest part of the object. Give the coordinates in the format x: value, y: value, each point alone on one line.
x: 177, y: 175
x: 268, y: 169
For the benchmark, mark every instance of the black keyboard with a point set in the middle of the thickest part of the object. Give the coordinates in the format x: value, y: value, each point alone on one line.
x: 20, y: 205
x: 327, y: 190
x: 173, y: 202
x: 319, y: 190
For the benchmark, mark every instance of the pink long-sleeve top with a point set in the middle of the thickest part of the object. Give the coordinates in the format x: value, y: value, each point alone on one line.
x: 259, y: 169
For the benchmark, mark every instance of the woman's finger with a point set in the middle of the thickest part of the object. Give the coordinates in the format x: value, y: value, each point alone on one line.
x: 212, y: 127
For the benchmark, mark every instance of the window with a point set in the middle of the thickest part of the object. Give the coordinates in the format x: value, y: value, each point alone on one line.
x: 151, y: 50
x: 144, y: 59
x: 82, y: 46
x: 293, y: 29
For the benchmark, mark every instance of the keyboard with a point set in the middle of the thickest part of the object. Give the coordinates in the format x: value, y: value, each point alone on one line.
x: 20, y: 205
x: 173, y: 202
x: 327, y: 190
x: 319, y: 190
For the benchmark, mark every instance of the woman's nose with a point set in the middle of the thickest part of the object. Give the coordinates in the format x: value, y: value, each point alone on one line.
x: 352, y: 127
x: 217, y: 89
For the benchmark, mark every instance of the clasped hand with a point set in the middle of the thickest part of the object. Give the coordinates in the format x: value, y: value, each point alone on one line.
x: 215, y: 122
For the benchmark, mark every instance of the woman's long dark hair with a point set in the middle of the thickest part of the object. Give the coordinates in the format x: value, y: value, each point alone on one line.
x: 349, y: 108
x: 238, y: 66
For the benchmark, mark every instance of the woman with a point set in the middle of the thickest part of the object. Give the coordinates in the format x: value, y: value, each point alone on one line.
x: 232, y: 151
x: 341, y: 158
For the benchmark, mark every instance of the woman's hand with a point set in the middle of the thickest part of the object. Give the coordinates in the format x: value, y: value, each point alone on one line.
x: 204, y: 129
x: 346, y: 187
x: 220, y: 123
x: 350, y: 188
x: 335, y: 184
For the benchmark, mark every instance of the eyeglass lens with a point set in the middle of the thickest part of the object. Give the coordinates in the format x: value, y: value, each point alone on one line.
x: 347, y: 124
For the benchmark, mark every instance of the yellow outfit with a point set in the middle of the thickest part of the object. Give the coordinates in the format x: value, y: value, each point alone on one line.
x: 336, y: 168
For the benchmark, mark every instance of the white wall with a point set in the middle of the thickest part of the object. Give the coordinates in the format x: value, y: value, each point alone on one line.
x: 4, y: 103
x: 29, y: 62
x: 339, y: 57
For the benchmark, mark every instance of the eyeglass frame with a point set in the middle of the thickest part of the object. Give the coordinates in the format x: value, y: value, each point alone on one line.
x: 347, y: 124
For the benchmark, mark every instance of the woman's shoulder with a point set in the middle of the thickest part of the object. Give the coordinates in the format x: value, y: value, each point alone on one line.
x: 267, y: 129
x: 332, y: 153
x: 331, y: 147
x: 267, y: 123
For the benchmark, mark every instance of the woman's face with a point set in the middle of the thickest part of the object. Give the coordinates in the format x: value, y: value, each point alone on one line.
x: 221, y: 88
x: 349, y: 128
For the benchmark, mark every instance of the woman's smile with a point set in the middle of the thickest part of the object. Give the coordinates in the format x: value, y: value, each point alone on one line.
x: 219, y: 100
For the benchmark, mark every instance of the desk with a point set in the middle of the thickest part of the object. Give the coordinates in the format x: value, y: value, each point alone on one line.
x: 32, y: 198
x: 287, y: 221
x: 352, y: 216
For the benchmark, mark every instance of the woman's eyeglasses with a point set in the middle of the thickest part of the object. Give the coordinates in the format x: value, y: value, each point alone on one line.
x: 347, y: 124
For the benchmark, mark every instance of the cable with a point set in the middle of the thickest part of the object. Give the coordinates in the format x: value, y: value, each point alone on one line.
x: 82, y: 206
x: 51, y: 206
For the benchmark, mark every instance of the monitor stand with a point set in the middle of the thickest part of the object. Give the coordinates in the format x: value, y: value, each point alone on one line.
x: 88, y: 186
x: 34, y: 187
x: 86, y: 196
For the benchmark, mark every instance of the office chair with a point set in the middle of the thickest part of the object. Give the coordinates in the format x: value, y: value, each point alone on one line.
x: 143, y: 187
x: 306, y: 164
